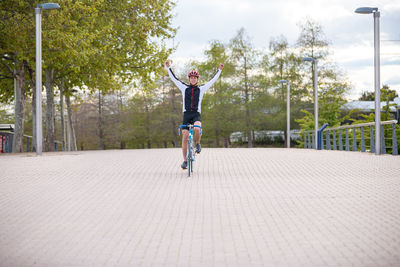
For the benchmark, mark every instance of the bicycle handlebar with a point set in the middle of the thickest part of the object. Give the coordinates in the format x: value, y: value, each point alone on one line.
x: 186, y: 126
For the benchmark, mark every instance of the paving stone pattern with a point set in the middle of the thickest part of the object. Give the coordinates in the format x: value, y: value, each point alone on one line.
x: 242, y: 207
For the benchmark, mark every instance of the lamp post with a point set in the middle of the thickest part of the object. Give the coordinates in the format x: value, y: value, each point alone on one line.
x: 287, y: 111
x: 376, y: 13
x: 38, y: 18
x: 313, y: 59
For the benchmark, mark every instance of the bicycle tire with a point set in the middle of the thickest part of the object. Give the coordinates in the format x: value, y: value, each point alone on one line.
x: 191, y: 164
x: 189, y: 156
x: 193, y: 156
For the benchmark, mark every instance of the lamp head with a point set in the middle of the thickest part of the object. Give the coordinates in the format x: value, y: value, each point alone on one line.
x: 283, y: 81
x: 309, y: 59
x: 366, y: 10
x: 48, y: 6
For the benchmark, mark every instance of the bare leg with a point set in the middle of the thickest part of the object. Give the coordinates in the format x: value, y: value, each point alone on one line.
x: 197, y: 132
x: 185, y: 136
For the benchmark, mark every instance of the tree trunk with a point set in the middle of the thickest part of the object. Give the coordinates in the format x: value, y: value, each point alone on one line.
x: 101, y: 138
x: 32, y: 81
x: 147, y: 127
x: 34, y: 118
x: 216, y: 134
x: 122, y: 145
x: 120, y: 127
x: 70, y: 127
x: 62, y: 114
x: 173, y: 123
x: 174, y: 128
x: 226, y: 142
x: 50, y: 130
x: 248, y: 123
x: 18, y: 140
x: 217, y: 130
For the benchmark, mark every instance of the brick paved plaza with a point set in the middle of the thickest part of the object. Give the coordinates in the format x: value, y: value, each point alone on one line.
x: 242, y: 207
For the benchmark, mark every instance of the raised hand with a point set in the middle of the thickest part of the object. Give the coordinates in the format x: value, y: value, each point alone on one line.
x: 221, y: 66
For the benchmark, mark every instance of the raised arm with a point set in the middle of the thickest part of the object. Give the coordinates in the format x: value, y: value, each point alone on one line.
x: 213, y: 79
x: 182, y: 86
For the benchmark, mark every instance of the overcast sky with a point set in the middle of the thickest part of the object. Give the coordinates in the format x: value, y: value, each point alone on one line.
x: 351, y: 35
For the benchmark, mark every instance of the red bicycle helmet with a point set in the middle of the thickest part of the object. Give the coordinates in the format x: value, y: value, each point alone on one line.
x: 193, y: 73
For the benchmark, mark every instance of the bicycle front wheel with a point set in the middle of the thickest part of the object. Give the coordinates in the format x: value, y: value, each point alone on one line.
x: 193, y: 150
x: 189, y: 157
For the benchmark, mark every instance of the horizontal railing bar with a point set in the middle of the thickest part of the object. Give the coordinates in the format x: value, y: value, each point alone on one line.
x: 355, y: 126
x: 360, y: 125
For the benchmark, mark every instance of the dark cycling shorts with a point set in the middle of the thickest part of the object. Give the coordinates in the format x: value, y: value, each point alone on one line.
x: 190, y: 118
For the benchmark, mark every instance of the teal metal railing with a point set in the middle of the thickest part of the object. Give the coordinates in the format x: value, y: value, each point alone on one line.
x: 357, y: 137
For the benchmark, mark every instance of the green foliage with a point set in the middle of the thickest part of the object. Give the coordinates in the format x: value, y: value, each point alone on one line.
x: 332, y: 85
x: 219, y: 109
x: 91, y: 43
x: 248, y: 85
x: 386, y: 93
x: 5, y: 115
x: 118, y: 48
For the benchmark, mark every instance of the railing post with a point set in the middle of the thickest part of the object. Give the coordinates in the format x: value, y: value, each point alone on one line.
x: 320, y: 144
x: 328, y: 140
x: 334, y: 140
x: 5, y: 143
x: 383, y: 145
x: 362, y: 140
x: 340, y: 140
x: 394, y: 140
x: 320, y: 140
x: 10, y: 141
x: 313, y: 140
x: 371, y: 129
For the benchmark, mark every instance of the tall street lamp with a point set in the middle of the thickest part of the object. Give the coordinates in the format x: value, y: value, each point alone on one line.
x: 313, y: 59
x: 38, y: 17
x: 376, y: 13
x: 287, y: 111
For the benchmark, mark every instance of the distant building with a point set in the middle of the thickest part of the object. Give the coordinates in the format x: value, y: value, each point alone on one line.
x: 369, y: 106
x: 7, y: 127
x: 262, y: 135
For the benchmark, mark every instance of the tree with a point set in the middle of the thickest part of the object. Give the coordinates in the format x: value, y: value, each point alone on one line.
x: 87, y: 43
x: 168, y: 111
x: 219, y: 109
x: 244, y: 56
x: 385, y: 90
x: 332, y: 84
x: 14, y: 56
x: 281, y: 63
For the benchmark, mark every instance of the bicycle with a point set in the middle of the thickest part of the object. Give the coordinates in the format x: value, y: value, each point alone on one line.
x: 191, y: 146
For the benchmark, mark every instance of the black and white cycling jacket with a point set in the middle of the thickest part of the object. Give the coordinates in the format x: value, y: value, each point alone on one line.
x: 192, y: 95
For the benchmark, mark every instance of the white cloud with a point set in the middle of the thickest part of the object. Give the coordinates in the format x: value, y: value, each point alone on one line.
x: 351, y: 34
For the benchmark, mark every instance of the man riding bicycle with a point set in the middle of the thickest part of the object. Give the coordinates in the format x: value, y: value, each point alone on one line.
x: 192, y: 94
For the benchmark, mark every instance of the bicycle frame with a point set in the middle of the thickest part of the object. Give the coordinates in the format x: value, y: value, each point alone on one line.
x: 190, y: 146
